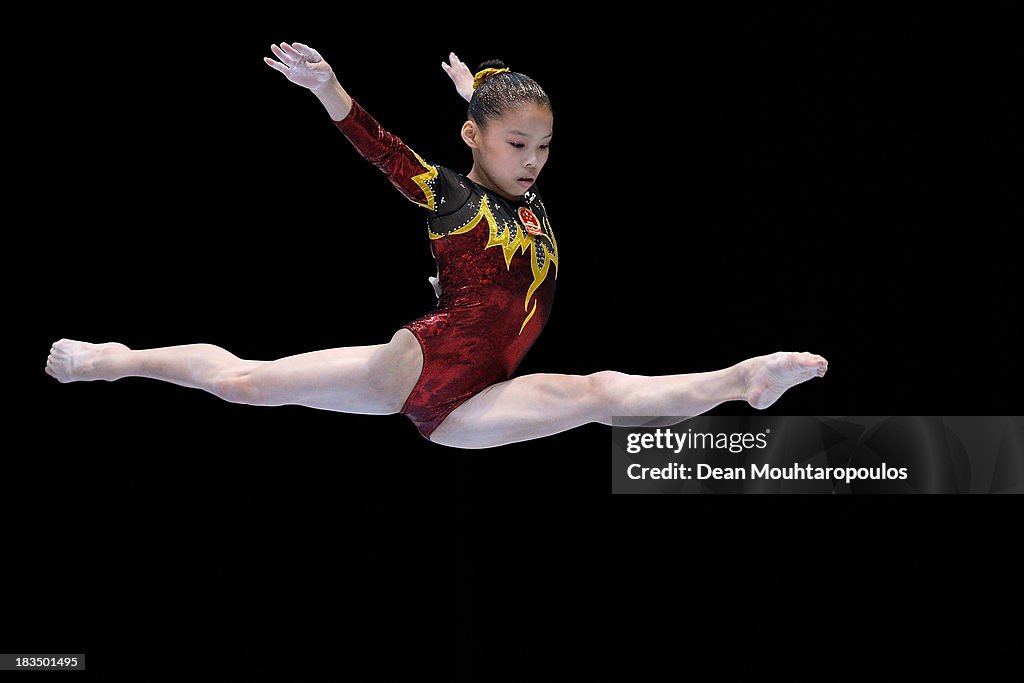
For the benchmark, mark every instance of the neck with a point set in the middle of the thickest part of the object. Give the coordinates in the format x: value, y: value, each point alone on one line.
x: 481, y: 178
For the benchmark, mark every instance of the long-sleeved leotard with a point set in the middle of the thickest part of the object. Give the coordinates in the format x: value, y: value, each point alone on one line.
x: 497, y: 264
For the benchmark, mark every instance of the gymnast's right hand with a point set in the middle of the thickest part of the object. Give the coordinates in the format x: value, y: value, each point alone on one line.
x: 302, y: 65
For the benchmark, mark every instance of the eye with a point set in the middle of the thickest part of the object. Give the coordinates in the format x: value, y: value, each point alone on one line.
x: 517, y: 145
x: 543, y: 146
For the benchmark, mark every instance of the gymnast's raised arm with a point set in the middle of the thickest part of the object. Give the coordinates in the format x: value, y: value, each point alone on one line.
x: 304, y: 66
x: 416, y: 179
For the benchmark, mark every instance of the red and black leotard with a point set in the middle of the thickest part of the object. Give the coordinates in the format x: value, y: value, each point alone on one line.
x: 497, y: 264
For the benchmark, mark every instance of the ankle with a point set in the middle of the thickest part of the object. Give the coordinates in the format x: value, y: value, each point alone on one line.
x: 739, y: 380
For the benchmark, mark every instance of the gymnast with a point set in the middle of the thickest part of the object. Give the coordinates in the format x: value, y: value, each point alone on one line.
x: 451, y: 371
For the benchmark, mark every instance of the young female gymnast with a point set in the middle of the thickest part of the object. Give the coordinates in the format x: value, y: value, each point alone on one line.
x: 451, y: 370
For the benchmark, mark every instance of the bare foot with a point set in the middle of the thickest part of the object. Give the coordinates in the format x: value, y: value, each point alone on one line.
x: 767, y: 377
x: 75, y: 361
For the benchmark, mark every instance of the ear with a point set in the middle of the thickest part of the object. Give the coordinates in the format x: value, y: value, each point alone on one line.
x: 471, y: 134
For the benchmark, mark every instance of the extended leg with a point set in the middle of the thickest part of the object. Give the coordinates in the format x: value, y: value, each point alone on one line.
x: 543, y: 404
x: 372, y: 379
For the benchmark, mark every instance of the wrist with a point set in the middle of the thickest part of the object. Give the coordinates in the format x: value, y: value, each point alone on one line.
x: 329, y: 88
x: 336, y: 101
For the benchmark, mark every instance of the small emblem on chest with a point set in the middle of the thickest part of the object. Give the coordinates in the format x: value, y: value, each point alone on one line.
x: 530, y: 221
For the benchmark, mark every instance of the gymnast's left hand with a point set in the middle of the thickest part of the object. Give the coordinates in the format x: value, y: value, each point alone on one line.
x: 460, y: 75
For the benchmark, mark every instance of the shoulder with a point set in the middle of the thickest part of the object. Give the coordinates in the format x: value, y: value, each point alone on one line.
x: 450, y: 177
x: 451, y: 190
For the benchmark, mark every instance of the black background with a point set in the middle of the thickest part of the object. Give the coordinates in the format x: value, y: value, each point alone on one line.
x: 720, y: 187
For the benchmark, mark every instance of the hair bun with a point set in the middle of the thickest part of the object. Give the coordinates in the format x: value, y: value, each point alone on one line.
x: 492, y: 63
x: 487, y: 69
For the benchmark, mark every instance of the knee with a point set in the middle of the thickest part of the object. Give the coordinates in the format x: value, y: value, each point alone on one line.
x: 605, y: 391
x: 236, y: 386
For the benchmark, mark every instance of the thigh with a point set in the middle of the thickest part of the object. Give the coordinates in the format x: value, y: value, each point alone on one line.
x: 522, y: 408
x: 371, y: 380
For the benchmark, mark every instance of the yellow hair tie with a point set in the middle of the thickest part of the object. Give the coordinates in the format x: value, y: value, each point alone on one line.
x: 481, y: 76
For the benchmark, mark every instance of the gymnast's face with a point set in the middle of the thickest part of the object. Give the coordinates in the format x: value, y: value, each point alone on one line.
x: 511, y: 151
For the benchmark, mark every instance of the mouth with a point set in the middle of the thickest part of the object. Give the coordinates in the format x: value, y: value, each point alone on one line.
x: 526, y: 181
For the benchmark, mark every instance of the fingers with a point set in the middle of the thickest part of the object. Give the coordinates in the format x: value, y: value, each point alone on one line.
x: 458, y: 64
x: 307, y: 51
x: 287, y: 59
x: 455, y: 63
x: 292, y: 52
x: 457, y: 71
x: 277, y: 65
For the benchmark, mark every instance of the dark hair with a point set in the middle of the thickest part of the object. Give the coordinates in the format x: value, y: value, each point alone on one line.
x: 502, y: 92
